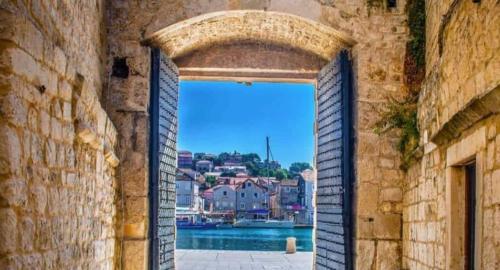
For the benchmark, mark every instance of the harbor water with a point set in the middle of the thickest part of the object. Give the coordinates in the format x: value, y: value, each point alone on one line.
x: 264, y: 239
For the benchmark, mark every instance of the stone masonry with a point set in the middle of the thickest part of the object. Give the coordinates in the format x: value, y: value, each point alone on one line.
x: 458, y: 118
x: 57, y: 163
x: 376, y: 37
x: 74, y: 121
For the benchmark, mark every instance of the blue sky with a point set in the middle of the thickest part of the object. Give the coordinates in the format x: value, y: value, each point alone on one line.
x: 219, y: 117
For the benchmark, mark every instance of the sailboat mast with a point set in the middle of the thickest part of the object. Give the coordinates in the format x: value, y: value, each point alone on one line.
x: 268, y: 167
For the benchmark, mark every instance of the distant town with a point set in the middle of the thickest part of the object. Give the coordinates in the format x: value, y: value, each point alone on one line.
x: 234, y: 189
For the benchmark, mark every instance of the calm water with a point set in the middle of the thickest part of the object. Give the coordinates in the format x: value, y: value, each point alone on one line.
x: 243, y: 239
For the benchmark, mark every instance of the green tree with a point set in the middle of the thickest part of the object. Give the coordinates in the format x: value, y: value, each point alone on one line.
x: 228, y: 174
x: 250, y: 157
x: 211, y: 180
x: 252, y: 168
x: 282, y: 174
x: 298, y: 167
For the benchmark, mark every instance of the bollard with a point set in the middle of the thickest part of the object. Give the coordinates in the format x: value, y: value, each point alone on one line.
x: 291, y: 247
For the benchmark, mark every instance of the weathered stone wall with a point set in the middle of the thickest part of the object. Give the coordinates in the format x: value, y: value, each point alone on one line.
x: 426, y: 206
x: 459, y: 121
x: 378, y: 55
x: 254, y: 61
x: 57, y: 177
x: 468, y: 64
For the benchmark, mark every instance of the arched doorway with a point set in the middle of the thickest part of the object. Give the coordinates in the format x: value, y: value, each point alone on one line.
x: 257, y: 32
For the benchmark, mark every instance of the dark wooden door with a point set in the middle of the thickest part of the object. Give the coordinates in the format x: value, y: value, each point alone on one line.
x: 163, y: 158
x: 334, y: 240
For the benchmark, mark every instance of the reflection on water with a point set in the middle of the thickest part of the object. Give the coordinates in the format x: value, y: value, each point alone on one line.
x: 243, y: 239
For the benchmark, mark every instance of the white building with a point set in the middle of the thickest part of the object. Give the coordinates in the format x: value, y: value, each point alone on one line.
x: 204, y: 166
x: 188, y: 190
x: 231, y: 169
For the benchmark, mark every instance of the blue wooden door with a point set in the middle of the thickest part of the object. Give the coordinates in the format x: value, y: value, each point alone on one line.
x: 163, y: 160
x: 334, y: 164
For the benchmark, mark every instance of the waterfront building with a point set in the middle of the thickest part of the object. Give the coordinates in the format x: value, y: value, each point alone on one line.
x: 307, y: 181
x: 184, y: 159
x: 188, y: 190
x: 252, y: 199
x: 224, y: 198
x: 204, y: 166
x: 289, y: 197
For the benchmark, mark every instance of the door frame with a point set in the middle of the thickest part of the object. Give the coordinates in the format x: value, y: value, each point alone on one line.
x: 348, y: 140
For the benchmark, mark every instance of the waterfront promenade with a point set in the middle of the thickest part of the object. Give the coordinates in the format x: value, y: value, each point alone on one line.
x: 241, y: 260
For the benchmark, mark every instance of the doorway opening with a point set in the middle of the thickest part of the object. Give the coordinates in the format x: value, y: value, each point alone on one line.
x: 245, y: 177
x: 251, y: 51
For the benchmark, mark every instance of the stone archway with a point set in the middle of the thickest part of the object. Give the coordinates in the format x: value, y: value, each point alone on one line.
x: 377, y: 56
x: 250, y: 25
x: 333, y: 134
x: 305, y: 45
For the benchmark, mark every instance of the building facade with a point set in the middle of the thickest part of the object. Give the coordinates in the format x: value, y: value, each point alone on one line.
x: 224, y: 198
x: 204, y: 166
x: 251, y: 199
x: 188, y: 190
x: 184, y: 159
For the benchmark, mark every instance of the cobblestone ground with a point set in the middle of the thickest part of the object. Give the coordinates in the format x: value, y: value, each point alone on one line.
x: 241, y: 260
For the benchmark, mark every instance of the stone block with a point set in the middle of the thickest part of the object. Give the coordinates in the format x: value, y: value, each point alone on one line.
x: 387, y: 226
x: 26, y: 233
x: 364, y: 227
x: 368, y: 199
x: 134, y: 254
x: 8, y: 230
x: 365, y: 254
x: 38, y: 198
x: 50, y: 151
x: 65, y: 90
x: 44, y: 123
x: 387, y: 163
x: 59, y: 61
x: 14, y: 109
x: 388, y: 255
x: 56, y: 129
x: 495, y: 187
x: 391, y: 195
x: 10, y: 151
x: 13, y: 192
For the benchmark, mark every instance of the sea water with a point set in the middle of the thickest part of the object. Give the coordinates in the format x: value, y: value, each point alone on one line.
x: 264, y: 239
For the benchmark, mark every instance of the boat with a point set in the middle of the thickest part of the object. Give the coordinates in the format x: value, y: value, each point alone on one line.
x: 188, y: 219
x: 264, y: 223
x: 224, y: 226
x: 191, y: 225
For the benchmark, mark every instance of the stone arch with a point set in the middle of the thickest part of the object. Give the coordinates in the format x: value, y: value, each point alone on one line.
x: 186, y: 30
x: 250, y: 26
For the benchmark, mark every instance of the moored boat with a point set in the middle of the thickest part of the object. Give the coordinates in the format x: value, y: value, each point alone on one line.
x: 190, y: 225
x: 263, y: 223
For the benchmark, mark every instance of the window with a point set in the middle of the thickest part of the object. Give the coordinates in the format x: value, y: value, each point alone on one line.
x: 391, y: 3
x: 224, y: 193
x: 242, y: 195
x: 256, y: 195
x: 249, y: 184
x: 242, y: 205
